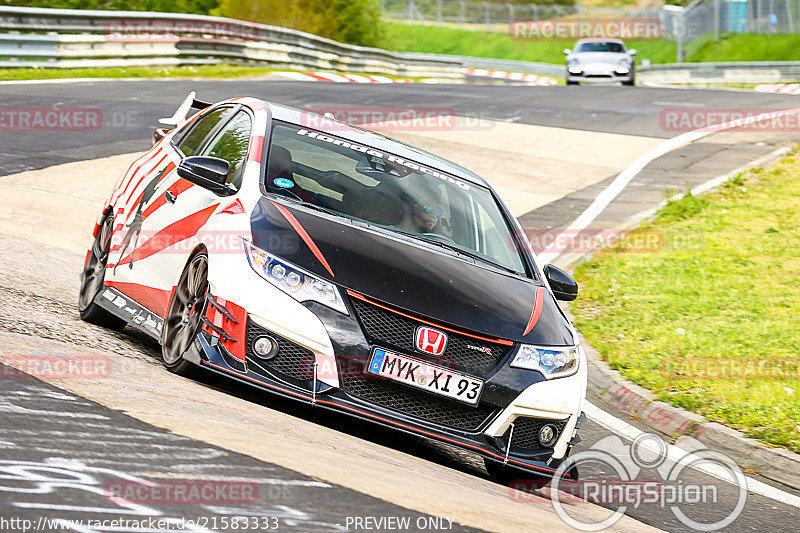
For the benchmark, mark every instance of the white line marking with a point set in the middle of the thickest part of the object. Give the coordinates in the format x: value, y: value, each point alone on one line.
x: 623, y: 178
x: 627, y: 431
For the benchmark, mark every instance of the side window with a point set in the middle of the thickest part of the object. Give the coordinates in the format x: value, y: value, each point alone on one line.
x: 202, y: 127
x: 231, y: 144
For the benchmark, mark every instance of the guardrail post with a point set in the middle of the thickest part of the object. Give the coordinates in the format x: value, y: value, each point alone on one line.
x: 510, y: 11
x: 439, y: 12
x: 487, y: 15
x: 464, y: 12
x: 716, y: 19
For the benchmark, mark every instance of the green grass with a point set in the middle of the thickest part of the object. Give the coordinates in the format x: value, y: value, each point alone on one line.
x: 709, y: 322
x: 199, y: 71
x: 738, y: 47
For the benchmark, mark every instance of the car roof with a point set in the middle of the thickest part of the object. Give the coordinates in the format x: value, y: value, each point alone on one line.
x: 600, y: 40
x: 357, y: 135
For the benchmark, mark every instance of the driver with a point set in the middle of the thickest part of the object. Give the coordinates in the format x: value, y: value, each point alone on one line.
x: 422, y: 210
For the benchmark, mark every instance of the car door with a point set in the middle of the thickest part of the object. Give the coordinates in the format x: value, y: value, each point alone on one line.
x: 171, y: 210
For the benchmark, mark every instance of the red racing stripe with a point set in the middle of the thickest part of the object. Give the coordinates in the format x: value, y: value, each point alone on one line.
x: 138, y: 167
x: 156, y: 300
x: 255, y: 151
x: 174, y: 233
x: 303, y: 235
x: 131, y: 205
x: 175, y: 190
x: 234, y: 208
x: 538, y: 304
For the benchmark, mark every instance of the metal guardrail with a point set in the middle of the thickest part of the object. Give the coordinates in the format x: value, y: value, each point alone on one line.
x: 721, y: 73
x: 69, y: 38
x: 76, y: 38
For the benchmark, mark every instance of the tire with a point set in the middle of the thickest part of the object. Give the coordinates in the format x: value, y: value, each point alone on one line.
x: 92, y: 276
x: 570, y: 82
x: 629, y: 83
x: 184, y: 313
x: 506, y: 475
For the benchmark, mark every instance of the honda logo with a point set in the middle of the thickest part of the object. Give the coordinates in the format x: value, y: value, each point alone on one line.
x: 431, y: 341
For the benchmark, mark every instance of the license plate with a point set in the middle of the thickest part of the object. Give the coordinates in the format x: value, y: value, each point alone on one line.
x: 426, y: 376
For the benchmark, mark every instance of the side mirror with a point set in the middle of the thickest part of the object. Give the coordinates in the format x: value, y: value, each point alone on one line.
x: 208, y: 172
x: 567, y: 51
x: 632, y: 51
x: 159, y: 134
x: 563, y: 285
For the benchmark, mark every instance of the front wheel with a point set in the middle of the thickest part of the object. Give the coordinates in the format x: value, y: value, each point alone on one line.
x: 570, y: 82
x: 92, y: 276
x: 184, y: 315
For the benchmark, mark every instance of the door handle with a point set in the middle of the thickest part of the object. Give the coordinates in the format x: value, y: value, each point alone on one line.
x: 171, y: 198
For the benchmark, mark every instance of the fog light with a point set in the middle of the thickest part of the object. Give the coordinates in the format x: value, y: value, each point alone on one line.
x: 548, y: 435
x: 575, y: 70
x: 265, y: 347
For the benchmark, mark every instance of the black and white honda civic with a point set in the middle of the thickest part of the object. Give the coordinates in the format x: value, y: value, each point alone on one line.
x: 337, y: 267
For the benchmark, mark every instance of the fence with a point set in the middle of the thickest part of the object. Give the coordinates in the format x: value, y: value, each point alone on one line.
x: 495, y: 16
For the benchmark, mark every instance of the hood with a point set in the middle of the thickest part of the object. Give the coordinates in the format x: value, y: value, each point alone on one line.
x: 410, y: 275
x: 606, y: 58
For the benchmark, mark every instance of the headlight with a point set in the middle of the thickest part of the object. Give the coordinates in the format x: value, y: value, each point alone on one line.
x: 551, y: 362
x: 293, y: 280
x: 624, y: 66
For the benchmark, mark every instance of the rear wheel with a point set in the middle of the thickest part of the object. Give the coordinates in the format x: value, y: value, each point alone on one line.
x: 184, y: 314
x: 92, y: 277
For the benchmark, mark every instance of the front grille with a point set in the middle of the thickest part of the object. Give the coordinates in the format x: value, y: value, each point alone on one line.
x: 416, y: 403
x: 392, y: 330
x: 292, y: 360
x: 526, y: 433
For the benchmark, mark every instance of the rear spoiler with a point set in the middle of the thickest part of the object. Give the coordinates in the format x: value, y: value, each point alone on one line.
x: 190, y: 102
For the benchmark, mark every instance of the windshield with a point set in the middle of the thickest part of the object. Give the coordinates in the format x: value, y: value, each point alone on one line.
x: 363, y: 183
x: 600, y: 47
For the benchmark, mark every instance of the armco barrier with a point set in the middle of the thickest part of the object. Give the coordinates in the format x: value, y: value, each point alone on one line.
x: 702, y: 73
x: 69, y: 38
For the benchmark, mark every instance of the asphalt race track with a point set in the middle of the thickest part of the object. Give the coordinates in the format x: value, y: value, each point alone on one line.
x: 63, y: 444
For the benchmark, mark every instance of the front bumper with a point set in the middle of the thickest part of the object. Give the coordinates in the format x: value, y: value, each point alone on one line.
x: 324, y: 365
x: 601, y: 74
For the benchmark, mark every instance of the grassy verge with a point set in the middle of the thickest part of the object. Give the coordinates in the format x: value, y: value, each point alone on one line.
x: 736, y: 47
x: 709, y: 322
x: 189, y: 71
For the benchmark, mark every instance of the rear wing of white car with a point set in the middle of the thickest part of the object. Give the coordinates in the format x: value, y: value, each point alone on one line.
x: 190, y: 102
